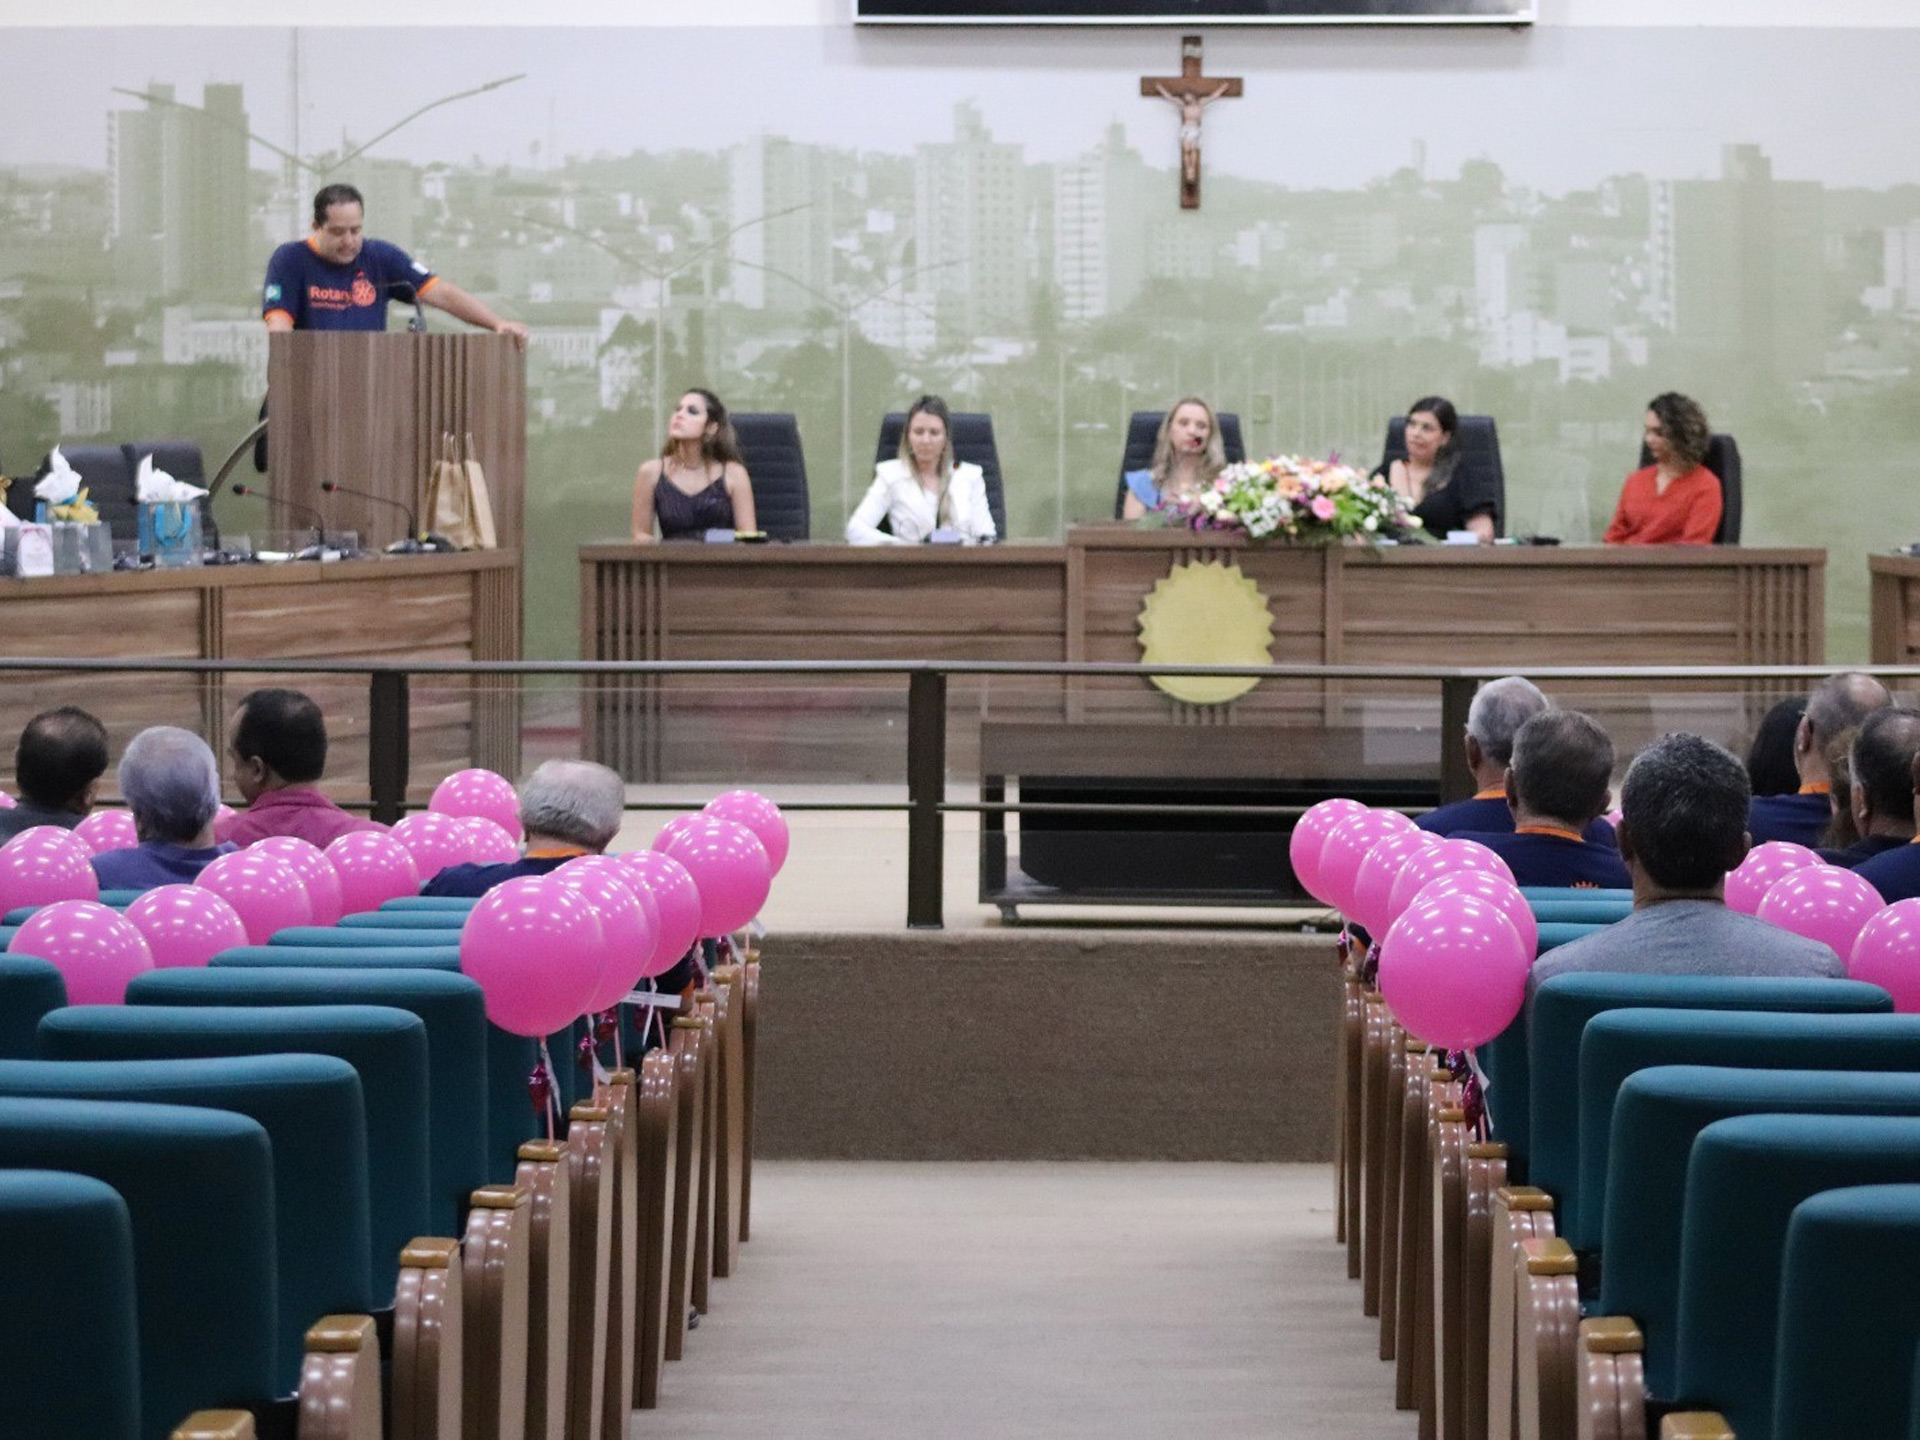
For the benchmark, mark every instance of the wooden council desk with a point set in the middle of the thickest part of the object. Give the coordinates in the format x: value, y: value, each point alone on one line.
x: 400, y: 608
x: 1894, y: 593
x: 1511, y: 606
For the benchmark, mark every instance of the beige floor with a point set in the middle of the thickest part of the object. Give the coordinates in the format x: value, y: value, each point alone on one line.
x: 880, y: 1301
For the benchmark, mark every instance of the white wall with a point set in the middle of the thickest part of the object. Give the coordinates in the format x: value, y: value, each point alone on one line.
x: 1814, y: 14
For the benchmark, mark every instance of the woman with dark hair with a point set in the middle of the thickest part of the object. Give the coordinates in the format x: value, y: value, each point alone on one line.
x: 922, y: 494
x: 1187, y: 453
x: 1770, y: 764
x: 1447, y: 498
x: 1676, y: 500
x: 698, y: 483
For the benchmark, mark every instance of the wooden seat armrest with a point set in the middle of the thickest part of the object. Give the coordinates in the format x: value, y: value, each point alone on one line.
x: 340, y: 1380
x: 1523, y: 1197
x: 1696, y: 1425
x: 1549, y: 1257
x: 1611, y: 1335
x: 215, y: 1425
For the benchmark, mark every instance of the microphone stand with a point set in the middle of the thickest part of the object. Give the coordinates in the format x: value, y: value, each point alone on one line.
x: 312, y: 552
x: 414, y: 543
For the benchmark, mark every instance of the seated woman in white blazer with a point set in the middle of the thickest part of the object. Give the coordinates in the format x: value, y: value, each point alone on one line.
x: 924, y: 495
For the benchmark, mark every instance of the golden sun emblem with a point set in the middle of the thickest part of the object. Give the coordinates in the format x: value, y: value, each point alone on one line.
x: 1205, y: 614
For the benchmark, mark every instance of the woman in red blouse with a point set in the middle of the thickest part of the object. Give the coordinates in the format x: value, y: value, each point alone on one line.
x: 1676, y: 500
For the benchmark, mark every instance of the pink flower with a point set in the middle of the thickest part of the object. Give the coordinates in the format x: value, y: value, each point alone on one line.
x: 1323, y: 508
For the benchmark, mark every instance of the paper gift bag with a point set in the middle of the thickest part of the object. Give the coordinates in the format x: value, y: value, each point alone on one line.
x: 458, y: 505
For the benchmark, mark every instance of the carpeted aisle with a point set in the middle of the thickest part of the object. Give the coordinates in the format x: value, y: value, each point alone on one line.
x: 1040, y: 1299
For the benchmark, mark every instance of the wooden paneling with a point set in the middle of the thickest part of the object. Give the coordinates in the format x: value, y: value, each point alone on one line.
x: 1895, y: 582
x: 1426, y: 605
x: 412, y: 609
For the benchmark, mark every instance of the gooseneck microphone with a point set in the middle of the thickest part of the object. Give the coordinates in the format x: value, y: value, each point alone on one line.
x: 319, y: 520
x: 414, y: 542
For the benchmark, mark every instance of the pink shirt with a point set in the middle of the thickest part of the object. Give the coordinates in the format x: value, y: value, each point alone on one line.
x: 297, y: 810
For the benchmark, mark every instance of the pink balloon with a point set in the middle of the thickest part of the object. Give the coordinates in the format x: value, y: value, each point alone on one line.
x: 676, y: 899
x: 44, y: 865
x: 1613, y: 818
x: 97, y: 949
x: 434, y: 840
x: 617, y: 867
x: 1821, y: 902
x: 7, y: 802
x: 263, y: 889
x: 629, y: 940
x: 1310, y: 833
x: 105, y: 830
x: 534, y: 946
x: 373, y: 868
x: 1887, y: 953
x: 1373, y: 882
x: 1347, y: 845
x: 665, y: 836
x: 1765, y: 864
x: 316, y: 873
x: 1449, y: 857
x: 1497, y: 891
x: 480, y: 794
x: 758, y: 814
x: 488, y: 844
x: 222, y: 815
x: 1454, y: 971
x: 186, y: 925
x: 730, y: 866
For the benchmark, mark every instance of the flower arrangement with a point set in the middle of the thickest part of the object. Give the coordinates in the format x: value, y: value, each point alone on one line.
x: 1296, y: 500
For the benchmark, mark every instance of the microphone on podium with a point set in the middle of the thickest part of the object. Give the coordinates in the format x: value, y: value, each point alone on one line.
x: 414, y: 543
x: 319, y: 520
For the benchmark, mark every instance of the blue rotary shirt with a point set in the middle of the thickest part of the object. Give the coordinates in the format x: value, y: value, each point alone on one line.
x: 1894, y: 873
x: 1801, y: 819
x: 1489, y: 811
x: 1542, y: 855
x: 317, y: 294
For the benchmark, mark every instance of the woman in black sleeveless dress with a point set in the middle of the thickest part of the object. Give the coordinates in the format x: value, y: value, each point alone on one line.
x: 698, y: 483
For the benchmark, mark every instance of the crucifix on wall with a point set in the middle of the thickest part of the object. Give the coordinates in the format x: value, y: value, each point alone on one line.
x: 1190, y: 92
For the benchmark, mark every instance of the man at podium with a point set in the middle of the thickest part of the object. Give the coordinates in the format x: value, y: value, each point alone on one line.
x: 339, y: 279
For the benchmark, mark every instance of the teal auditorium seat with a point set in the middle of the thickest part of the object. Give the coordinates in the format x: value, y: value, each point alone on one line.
x: 1746, y: 1177
x: 455, y: 1014
x: 7, y: 932
x: 1660, y: 1113
x: 404, y: 903
x: 66, y: 1301
x: 198, y: 1185
x: 311, y: 1108
x: 29, y: 988
x: 1533, y: 893
x: 1503, y: 1059
x: 1559, y: 1015
x: 114, y: 899
x: 339, y: 957
x: 406, y: 920
x: 1577, y: 909
x: 1555, y: 933
x: 360, y: 939
x: 1849, y: 1314
x: 387, y: 1046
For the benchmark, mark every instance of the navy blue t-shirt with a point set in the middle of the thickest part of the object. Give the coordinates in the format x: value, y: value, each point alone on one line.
x: 1862, y: 850
x: 1492, y: 813
x: 316, y: 294
x: 1895, y: 873
x: 1538, y: 858
x: 1803, y: 819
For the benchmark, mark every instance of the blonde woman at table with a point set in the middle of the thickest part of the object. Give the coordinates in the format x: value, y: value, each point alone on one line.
x: 923, y: 495
x: 1187, y: 453
x: 698, y: 483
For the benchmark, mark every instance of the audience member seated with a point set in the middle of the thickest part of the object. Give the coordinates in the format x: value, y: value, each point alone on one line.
x: 1770, y: 767
x: 57, y: 767
x: 698, y: 482
x: 1557, y: 787
x: 172, y: 784
x: 1895, y: 872
x: 279, y: 753
x: 1187, y: 453
x: 1676, y: 500
x: 923, y: 493
x: 1683, y: 828
x: 1499, y: 709
x: 1841, y: 703
x: 1446, y: 495
x: 1879, y: 795
x: 567, y: 808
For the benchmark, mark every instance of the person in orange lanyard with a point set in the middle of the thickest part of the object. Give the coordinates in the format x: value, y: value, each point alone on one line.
x: 1558, y: 785
x: 1676, y: 500
x: 567, y: 808
x: 1500, y: 707
x: 1842, y: 702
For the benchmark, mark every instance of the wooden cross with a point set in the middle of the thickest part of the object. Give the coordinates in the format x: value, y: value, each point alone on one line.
x: 1191, y: 92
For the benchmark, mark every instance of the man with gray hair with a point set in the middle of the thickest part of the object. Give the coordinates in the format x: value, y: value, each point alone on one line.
x: 1841, y: 703
x: 567, y: 808
x: 1684, y: 827
x: 1556, y: 787
x: 171, y: 783
x: 1500, y: 707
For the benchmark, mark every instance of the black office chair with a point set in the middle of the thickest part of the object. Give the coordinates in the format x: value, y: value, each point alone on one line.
x: 1723, y: 459
x: 1144, y: 428
x: 108, y: 477
x: 770, y: 448
x: 1477, y: 441
x: 972, y: 443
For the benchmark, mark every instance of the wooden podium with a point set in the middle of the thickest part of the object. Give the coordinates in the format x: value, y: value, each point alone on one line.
x: 369, y: 410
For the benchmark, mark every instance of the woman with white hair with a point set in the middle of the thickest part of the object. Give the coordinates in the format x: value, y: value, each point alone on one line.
x: 171, y: 783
